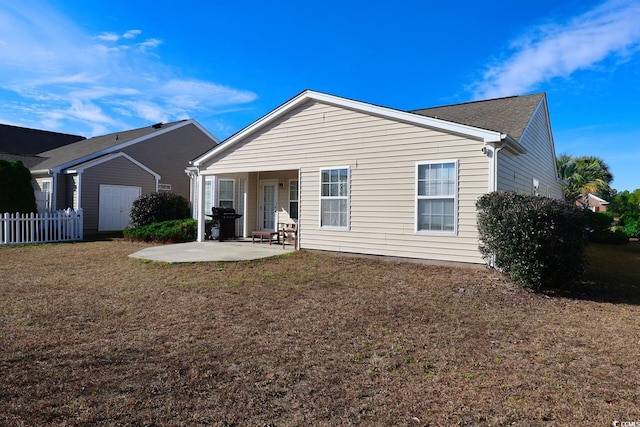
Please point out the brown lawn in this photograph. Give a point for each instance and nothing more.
(89, 336)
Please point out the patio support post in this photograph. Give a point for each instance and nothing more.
(200, 212)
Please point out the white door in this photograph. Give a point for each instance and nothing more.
(268, 204)
(115, 206)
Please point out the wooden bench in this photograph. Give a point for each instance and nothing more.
(271, 235)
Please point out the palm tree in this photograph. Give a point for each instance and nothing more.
(584, 175)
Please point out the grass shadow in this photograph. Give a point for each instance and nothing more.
(613, 275)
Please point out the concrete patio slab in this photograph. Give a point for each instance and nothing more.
(231, 250)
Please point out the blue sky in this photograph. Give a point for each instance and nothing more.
(99, 66)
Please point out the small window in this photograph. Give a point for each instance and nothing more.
(334, 198)
(437, 188)
(294, 199)
(226, 192)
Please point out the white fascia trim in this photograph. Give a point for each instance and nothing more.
(109, 158)
(481, 134)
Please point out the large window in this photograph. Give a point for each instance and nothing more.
(226, 192)
(294, 199)
(437, 196)
(334, 198)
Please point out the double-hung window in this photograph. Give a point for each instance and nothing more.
(436, 196)
(226, 192)
(208, 194)
(334, 198)
(294, 199)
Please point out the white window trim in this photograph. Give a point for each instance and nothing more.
(320, 197)
(456, 212)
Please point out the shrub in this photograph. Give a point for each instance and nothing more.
(601, 231)
(599, 220)
(631, 221)
(537, 242)
(175, 231)
(16, 191)
(158, 207)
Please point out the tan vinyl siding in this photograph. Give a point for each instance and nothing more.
(516, 173)
(382, 155)
(119, 171)
(169, 154)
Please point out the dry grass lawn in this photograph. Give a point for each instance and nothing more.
(89, 336)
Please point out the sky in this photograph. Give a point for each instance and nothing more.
(95, 67)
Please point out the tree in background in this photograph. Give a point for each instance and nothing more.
(626, 206)
(584, 175)
(16, 191)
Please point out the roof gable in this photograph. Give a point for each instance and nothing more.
(480, 134)
(509, 115)
(108, 157)
(83, 151)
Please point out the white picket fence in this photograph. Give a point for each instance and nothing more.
(59, 226)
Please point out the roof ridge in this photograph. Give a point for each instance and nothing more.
(477, 101)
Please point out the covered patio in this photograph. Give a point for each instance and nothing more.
(266, 200)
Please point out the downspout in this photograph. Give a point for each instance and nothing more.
(493, 163)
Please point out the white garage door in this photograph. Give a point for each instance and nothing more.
(115, 206)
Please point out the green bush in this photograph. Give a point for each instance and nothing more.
(599, 220)
(631, 223)
(158, 207)
(537, 242)
(16, 191)
(601, 231)
(175, 231)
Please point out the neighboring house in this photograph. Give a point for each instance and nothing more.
(24, 144)
(595, 203)
(366, 179)
(105, 174)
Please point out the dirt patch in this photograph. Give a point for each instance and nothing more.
(90, 336)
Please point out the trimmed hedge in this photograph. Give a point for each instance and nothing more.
(158, 207)
(175, 231)
(537, 242)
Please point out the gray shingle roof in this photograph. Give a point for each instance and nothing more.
(508, 115)
(84, 150)
(27, 160)
(19, 140)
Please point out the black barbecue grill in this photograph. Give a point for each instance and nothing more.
(224, 220)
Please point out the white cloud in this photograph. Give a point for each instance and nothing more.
(108, 37)
(85, 83)
(131, 34)
(558, 50)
